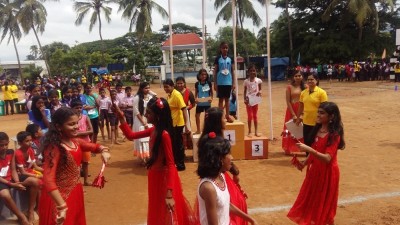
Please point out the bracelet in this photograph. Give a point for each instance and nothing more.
(61, 207)
(104, 149)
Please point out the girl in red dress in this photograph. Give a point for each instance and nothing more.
(167, 205)
(293, 91)
(215, 122)
(61, 200)
(317, 201)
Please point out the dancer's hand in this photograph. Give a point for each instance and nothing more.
(105, 156)
(170, 203)
(18, 186)
(61, 215)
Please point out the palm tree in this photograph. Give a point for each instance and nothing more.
(244, 9)
(32, 15)
(98, 6)
(363, 10)
(9, 25)
(34, 51)
(138, 12)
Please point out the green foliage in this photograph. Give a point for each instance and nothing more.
(337, 39)
(31, 72)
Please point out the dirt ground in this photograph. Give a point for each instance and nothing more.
(369, 183)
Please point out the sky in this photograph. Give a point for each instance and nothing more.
(61, 26)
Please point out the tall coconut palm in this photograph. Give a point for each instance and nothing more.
(362, 9)
(138, 12)
(9, 25)
(32, 15)
(244, 9)
(98, 7)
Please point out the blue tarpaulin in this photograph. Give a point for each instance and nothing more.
(278, 68)
(100, 71)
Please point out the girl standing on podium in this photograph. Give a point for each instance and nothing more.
(293, 91)
(318, 197)
(252, 90)
(215, 122)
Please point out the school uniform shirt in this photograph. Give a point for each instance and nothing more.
(104, 103)
(116, 102)
(14, 91)
(224, 73)
(121, 96)
(203, 91)
(40, 123)
(5, 165)
(20, 159)
(128, 102)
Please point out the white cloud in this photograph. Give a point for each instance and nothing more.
(61, 27)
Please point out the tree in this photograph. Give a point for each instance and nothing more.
(180, 28)
(335, 40)
(363, 10)
(138, 12)
(9, 25)
(244, 9)
(32, 16)
(98, 6)
(34, 51)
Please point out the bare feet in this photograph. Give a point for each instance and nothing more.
(197, 132)
(23, 221)
(258, 134)
(87, 184)
(116, 143)
(229, 119)
(249, 135)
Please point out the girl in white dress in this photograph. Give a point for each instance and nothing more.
(142, 97)
(213, 196)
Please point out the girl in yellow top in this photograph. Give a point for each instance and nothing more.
(8, 97)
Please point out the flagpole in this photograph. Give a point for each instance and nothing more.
(267, 3)
(204, 33)
(171, 49)
(234, 57)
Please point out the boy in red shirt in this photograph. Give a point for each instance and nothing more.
(9, 179)
(29, 173)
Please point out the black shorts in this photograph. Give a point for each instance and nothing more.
(113, 119)
(103, 115)
(4, 186)
(200, 109)
(232, 113)
(224, 91)
(95, 125)
(129, 116)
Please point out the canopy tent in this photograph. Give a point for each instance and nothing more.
(278, 68)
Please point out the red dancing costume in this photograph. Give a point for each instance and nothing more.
(317, 201)
(162, 175)
(237, 198)
(65, 178)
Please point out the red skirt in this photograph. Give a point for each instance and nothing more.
(158, 214)
(75, 212)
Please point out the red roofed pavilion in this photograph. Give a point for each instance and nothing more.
(183, 42)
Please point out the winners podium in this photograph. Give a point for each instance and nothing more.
(241, 147)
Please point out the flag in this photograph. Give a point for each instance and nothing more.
(298, 59)
(384, 54)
